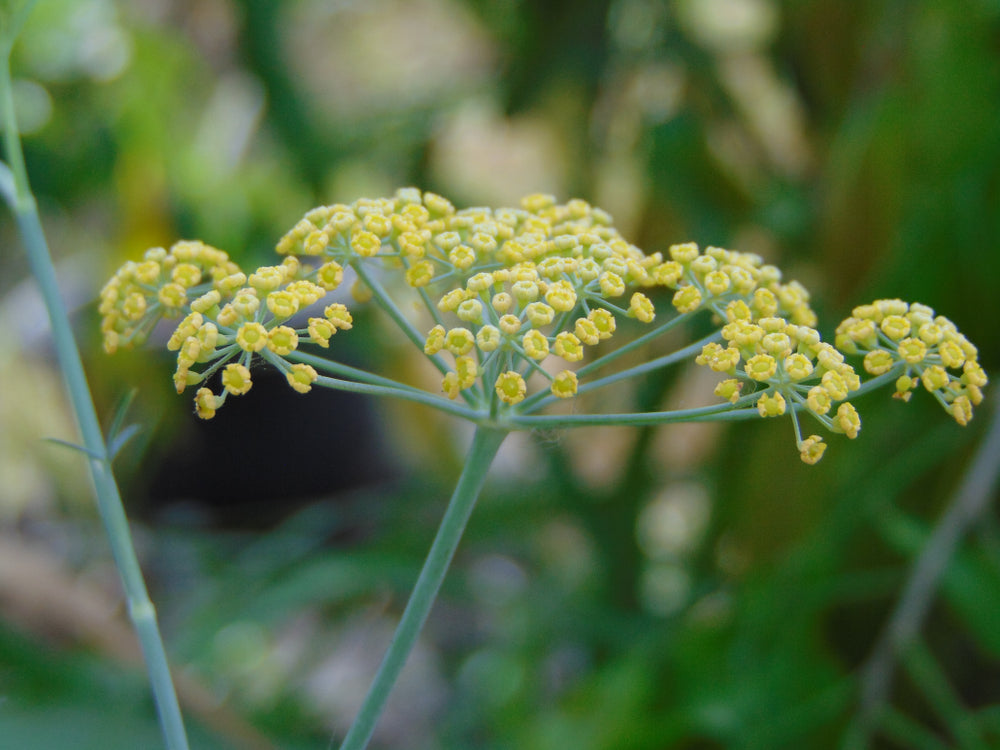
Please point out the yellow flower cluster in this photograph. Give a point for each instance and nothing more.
(509, 287)
(514, 286)
(909, 339)
(229, 316)
(714, 277)
(788, 364)
(512, 293)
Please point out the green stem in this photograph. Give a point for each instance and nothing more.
(542, 399)
(485, 444)
(631, 345)
(109, 503)
(396, 390)
(719, 413)
(384, 301)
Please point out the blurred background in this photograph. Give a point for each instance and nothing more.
(686, 587)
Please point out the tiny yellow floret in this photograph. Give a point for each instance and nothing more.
(564, 385)
(282, 340)
(339, 316)
(771, 405)
(236, 379)
(568, 347)
(641, 308)
(366, 244)
(848, 420)
(687, 299)
(435, 340)
(811, 449)
(206, 403)
(329, 275)
(282, 304)
(729, 389)
(301, 377)
(459, 341)
(321, 331)
(510, 387)
(535, 344)
(761, 367)
(878, 362)
(252, 337)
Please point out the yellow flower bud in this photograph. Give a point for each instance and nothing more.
(761, 367)
(366, 244)
(797, 366)
(266, 278)
(470, 311)
(604, 322)
(301, 377)
(236, 379)
(172, 296)
(435, 340)
(934, 378)
(535, 344)
(687, 299)
(329, 275)
(611, 284)
(510, 324)
(282, 340)
(510, 387)
(729, 389)
(488, 338)
(339, 316)
(896, 327)
(564, 385)
(847, 420)
(811, 449)
(206, 403)
(878, 362)
(459, 341)
(771, 405)
(684, 253)
(252, 337)
(641, 308)
(282, 304)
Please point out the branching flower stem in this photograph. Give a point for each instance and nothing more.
(141, 611)
(485, 444)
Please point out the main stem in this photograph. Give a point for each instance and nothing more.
(485, 444)
(109, 503)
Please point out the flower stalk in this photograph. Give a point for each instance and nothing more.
(17, 190)
(485, 444)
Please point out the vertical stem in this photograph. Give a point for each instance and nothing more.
(485, 445)
(109, 502)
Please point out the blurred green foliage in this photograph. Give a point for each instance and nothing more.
(686, 587)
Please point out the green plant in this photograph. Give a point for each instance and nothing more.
(505, 294)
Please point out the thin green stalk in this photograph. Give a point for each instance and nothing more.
(485, 444)
(717, 413)
(542, 399)
(385, 302)
(632, 345)
(396, 390)
(109, 504)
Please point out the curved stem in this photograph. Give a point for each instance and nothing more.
(485, 445)
(109, 503)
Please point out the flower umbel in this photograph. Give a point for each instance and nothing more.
(512, 296)
(912, 344)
